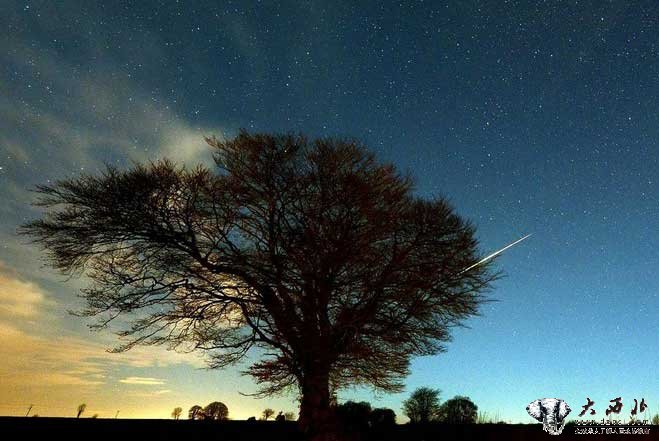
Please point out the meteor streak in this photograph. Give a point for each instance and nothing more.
(496, 253)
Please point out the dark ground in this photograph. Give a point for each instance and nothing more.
(87, 429)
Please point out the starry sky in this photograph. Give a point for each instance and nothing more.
(531, 117)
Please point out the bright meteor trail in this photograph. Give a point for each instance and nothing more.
(496, 253)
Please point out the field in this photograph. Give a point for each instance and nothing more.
(89, 429)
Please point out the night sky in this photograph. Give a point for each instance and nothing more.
(531, 117)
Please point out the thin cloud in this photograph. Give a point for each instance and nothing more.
(19, 298)
(38, 361)
(147, 381)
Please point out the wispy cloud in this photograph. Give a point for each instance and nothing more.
(18, 298)
(30, 358)
(142, 393)
(63, 121)
(147, 381)
(56, 120)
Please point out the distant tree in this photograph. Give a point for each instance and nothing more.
(81, 409)
(289, 416)
(176, 413)
(382, 418)
(216, 411)
(353, 415)
(655, 419)
(458, 410)
(422, 406)
(267, 413)
(196, 412)
(252, 418)
(310, 249)
(280, 417)
(94, 416)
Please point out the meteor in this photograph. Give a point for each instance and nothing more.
(496, 253)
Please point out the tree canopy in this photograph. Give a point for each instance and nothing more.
(267, 413)
(216, 411)
(311, 250)
(196, 412)
(458, 410)
(423, 405)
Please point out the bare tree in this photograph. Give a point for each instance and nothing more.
(311, 250)
(81, 409)
(176, 413)
(267, 414)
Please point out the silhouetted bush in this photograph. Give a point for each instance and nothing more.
(290, 416)
(382, 418)
(422, 406)
(354, 416)
(458, 410)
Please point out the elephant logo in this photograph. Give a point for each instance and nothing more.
(551, 412)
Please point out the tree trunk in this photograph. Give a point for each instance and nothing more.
(317, 419)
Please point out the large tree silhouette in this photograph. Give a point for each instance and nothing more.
(309, 249)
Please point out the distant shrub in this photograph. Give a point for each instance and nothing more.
(290, 416)
(382, 418)
(81, 409)
(267, 414)
(458, 410)
(353, 415)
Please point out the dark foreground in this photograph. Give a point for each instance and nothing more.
(87, 429)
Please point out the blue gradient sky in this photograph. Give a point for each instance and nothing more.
(531, 118)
